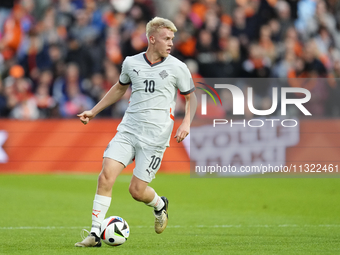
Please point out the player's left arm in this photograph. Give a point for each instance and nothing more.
(190, 109)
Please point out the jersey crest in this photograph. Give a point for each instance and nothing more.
(163, 74)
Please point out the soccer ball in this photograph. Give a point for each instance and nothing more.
(114, 231)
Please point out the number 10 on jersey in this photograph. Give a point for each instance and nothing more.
(149, 86)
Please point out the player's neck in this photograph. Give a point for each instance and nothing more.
(152, 56)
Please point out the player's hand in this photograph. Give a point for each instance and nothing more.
(86, 116)
(182, 132)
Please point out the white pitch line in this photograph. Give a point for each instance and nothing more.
(45, 227)
(179, 226)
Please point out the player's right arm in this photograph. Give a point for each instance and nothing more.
(112, 96)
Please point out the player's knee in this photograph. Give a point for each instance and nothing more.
(106, 179)
(136, 193)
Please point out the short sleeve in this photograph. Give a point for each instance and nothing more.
(185, 83)
(124, 77)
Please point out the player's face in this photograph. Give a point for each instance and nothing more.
(163, 41)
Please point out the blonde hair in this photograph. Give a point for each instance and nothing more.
(157, 23)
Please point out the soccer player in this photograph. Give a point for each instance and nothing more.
(144, 132)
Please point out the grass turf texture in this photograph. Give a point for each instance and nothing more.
(44, 214)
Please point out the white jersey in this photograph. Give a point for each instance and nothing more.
(150, 114)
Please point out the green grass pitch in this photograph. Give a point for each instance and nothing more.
(44, 214)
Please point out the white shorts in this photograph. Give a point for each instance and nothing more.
(124, 148)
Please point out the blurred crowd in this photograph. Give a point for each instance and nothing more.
(59, 57)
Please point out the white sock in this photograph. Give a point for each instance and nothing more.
(157, 203)
(100, 206)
